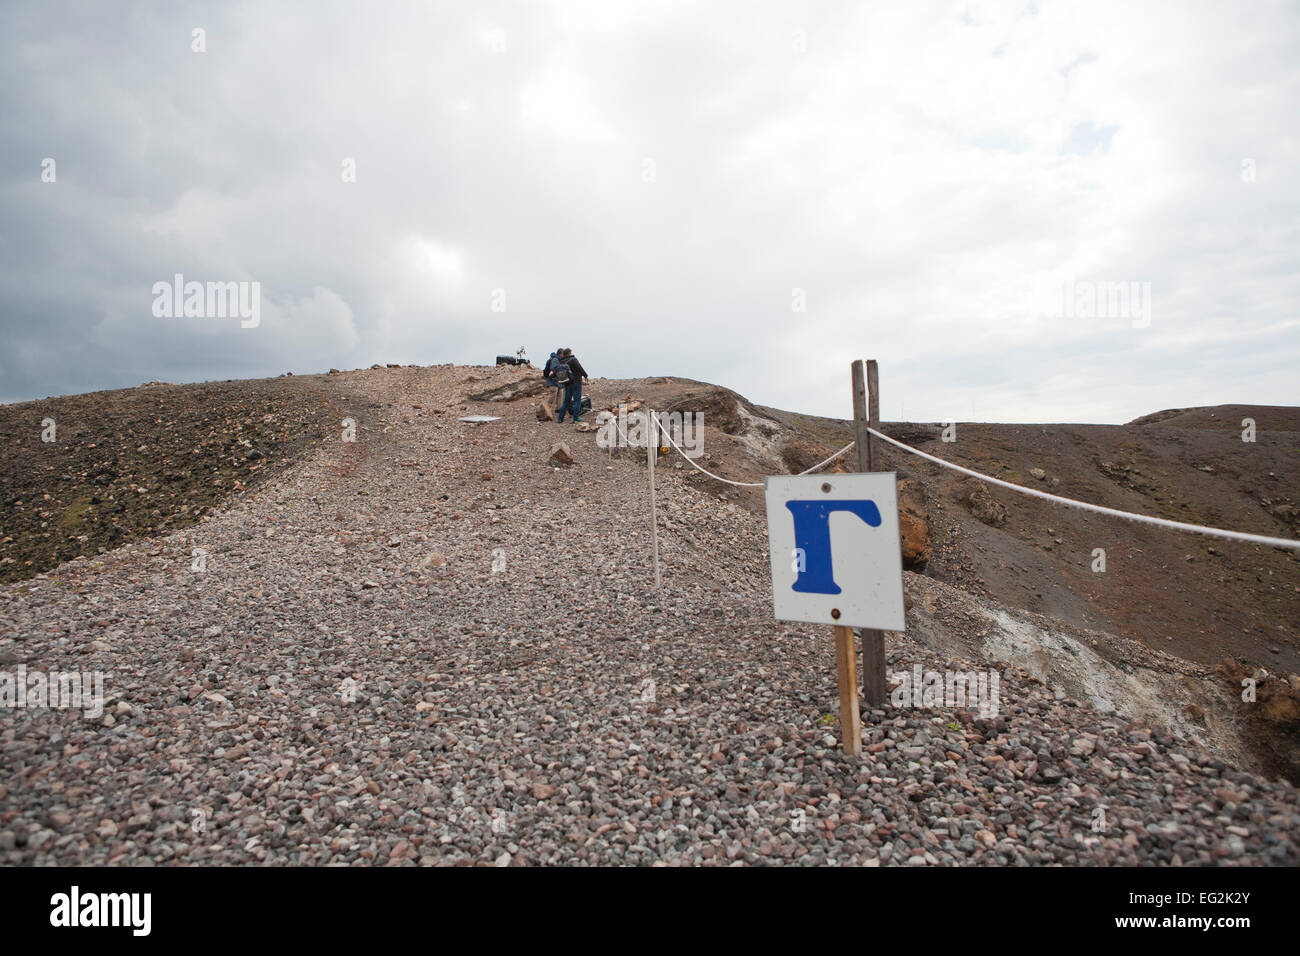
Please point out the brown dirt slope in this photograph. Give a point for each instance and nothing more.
(137, 462)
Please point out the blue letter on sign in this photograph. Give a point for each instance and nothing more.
(812, 532)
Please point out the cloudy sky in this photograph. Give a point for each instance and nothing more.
(751, 193)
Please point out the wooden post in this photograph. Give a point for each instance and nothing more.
(866, 411)
(873, 415)
(652, 448)
(861, 437)
(846, 659)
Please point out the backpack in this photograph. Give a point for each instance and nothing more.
(562, 373)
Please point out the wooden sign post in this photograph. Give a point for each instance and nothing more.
(651, 447)
(833, 543)
(846, 660)
(866, 411)
(833, 546)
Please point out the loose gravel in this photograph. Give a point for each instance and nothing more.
(431, 647)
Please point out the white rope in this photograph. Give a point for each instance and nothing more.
(664, 431)
(738, 484)
(1022, 489)
(1068, 502)
(1074, 503)
(827, 461)
(746, 484)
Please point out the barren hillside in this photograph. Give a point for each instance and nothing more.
(432, 646)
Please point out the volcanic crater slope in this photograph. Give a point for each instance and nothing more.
(430, 646)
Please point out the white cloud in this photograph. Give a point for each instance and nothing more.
(931, 176)
(432, 259)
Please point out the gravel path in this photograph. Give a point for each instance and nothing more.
(431, 647)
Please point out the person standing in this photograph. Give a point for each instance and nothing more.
(571, 374)
(555, 393)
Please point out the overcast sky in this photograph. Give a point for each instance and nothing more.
(750, 193)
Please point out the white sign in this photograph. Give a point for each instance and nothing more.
(835, 549)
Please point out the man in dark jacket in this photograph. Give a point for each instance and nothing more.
(555, 391)
(572, 402)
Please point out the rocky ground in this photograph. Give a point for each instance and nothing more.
(86, 473)
(429, 646)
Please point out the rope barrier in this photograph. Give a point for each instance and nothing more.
(738, 484)
(747, 484)
(1099, 509)
(1033, 492)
